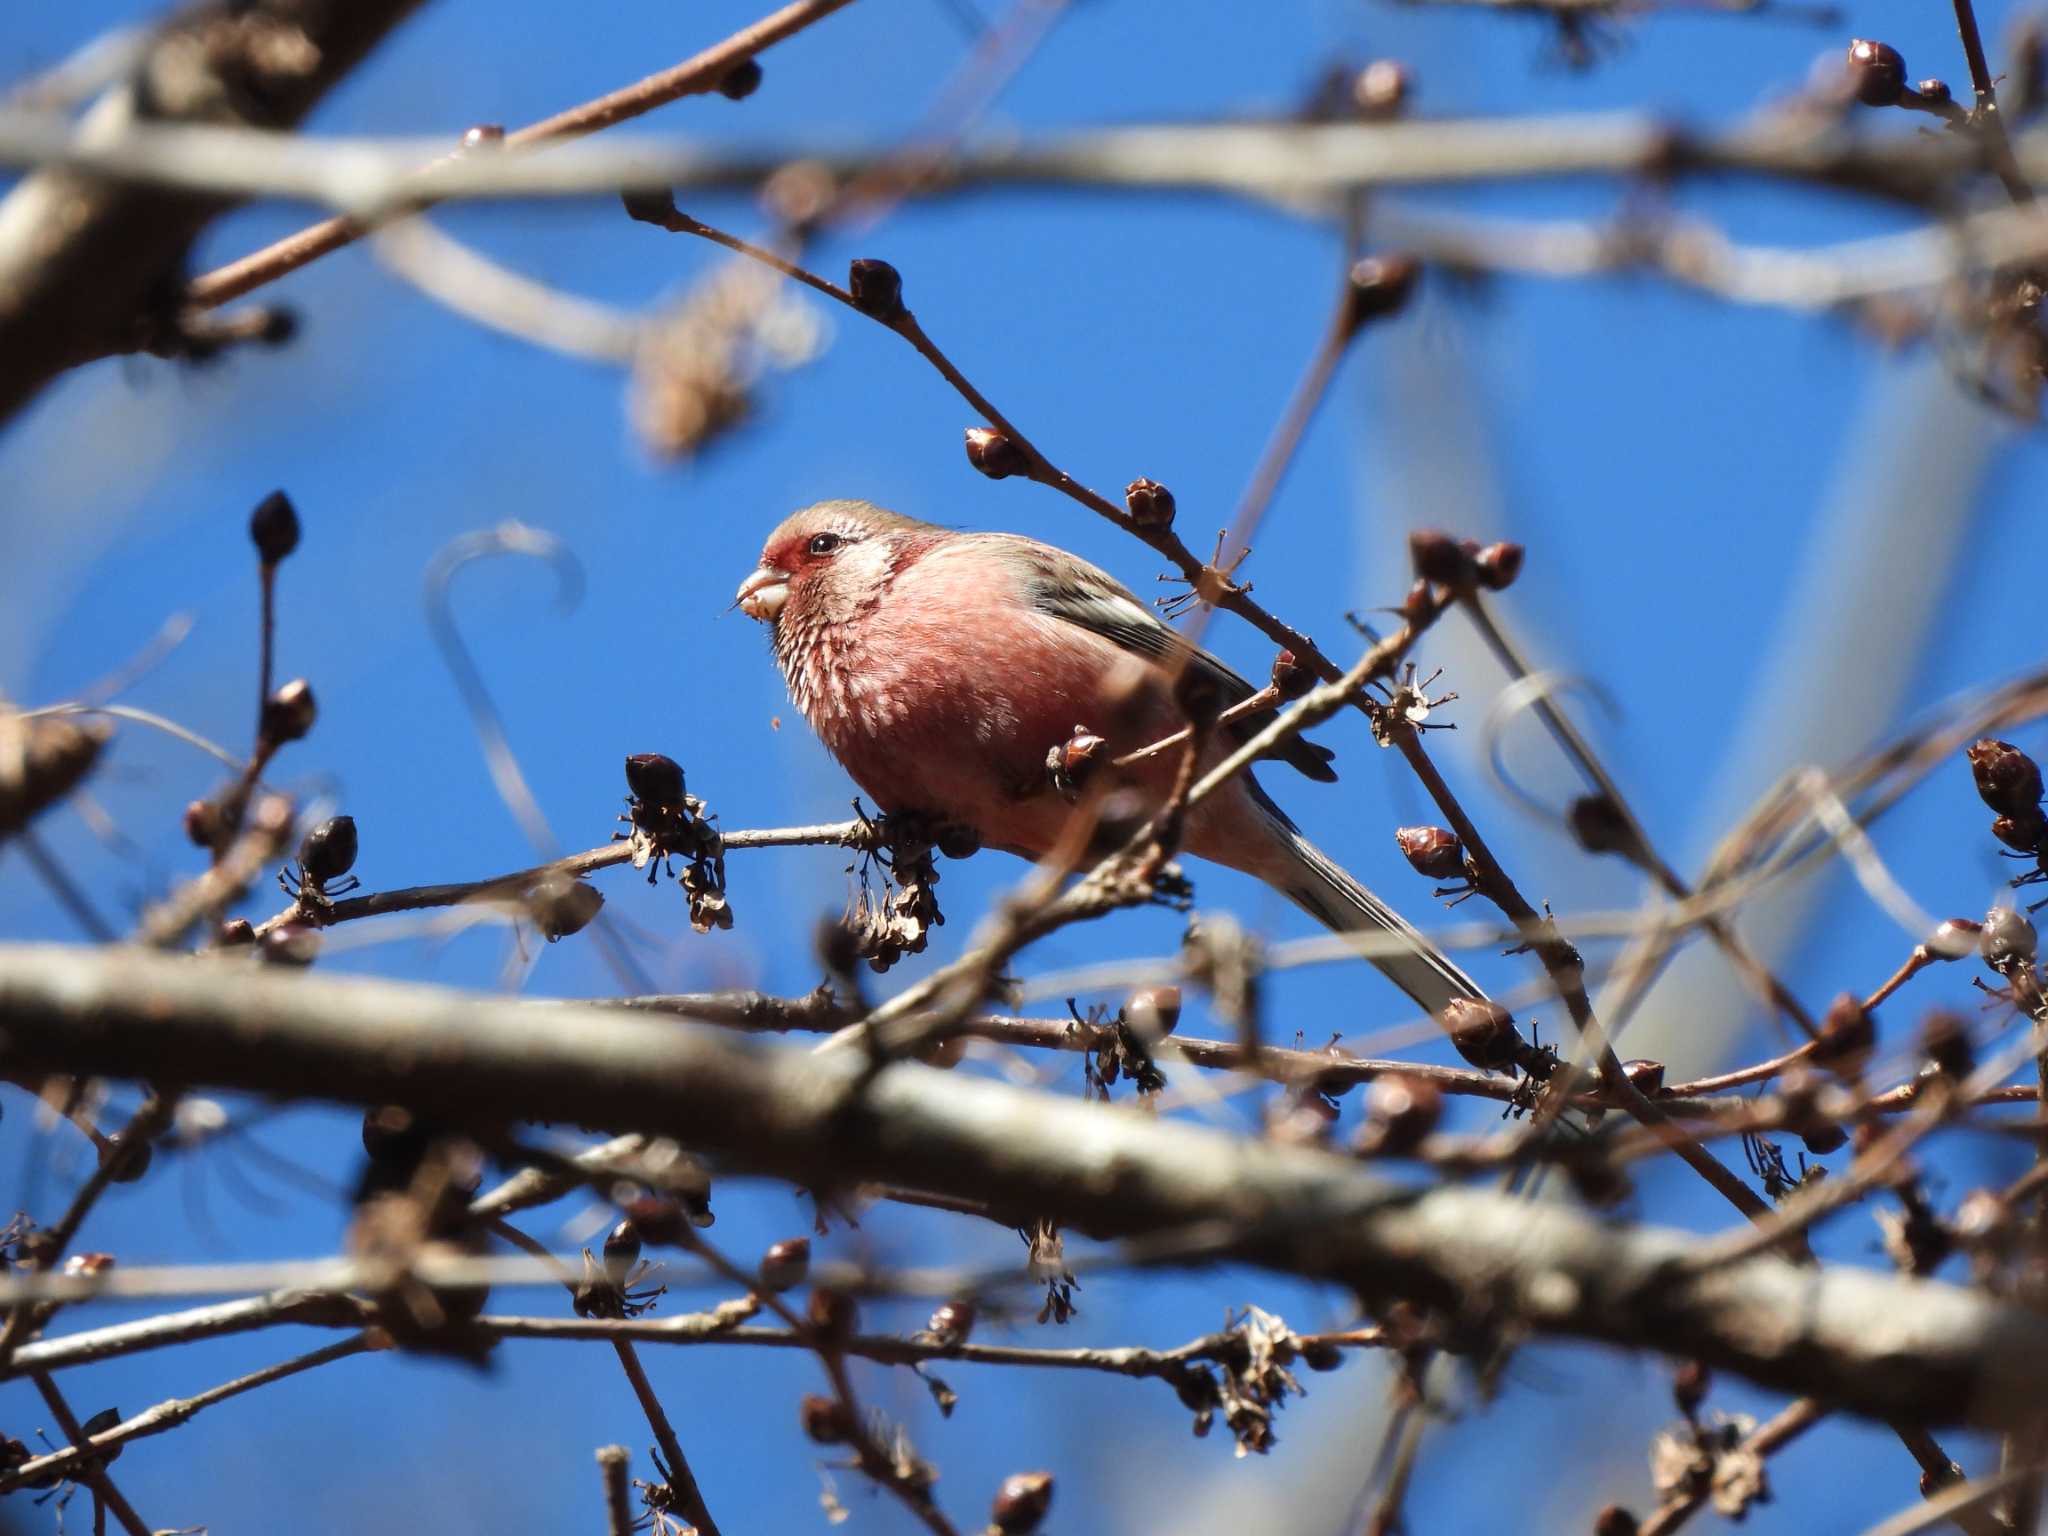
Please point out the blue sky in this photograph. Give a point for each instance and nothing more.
(1766, 538)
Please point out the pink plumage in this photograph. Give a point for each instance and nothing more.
(940, 667)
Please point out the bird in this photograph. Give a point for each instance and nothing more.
(940, 667)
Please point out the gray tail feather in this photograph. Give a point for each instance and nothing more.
(1321, 888)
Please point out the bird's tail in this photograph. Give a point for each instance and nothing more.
(1320, 887)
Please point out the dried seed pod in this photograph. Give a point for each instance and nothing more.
(655, 779)
(561, 905)
(994, 454)
(1153, 1012)
(1498, 565)
(1878, 72)
(2008, 939)
(329, 851)
(2008, 779)
(621, 1251)
(1400, 1110)
(1440, 558)
(1432, 852)
(1936, 91)
(1382, 90)
(274, 528)
(786, 1265)
(1379, 286)
(289, 713)
(1151, 504)
(1615, 1521)
(741, 81)
(1483, 1032)
(952, 1322)
(832, 1315)
(1848, 1034)
(825, 1419)
(1021, 1503)
(877, 288)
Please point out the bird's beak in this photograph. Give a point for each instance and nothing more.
(762, 594)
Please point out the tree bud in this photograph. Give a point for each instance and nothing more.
(1499, 565)
(1379, 286)
(1878, 73)
(877, 289)
(274, 528)
(1400, 1110)
(1151, 504)
(786, 1265)
(741, 81)
(1153, 1012)
(1440, 558)
(1381, 90)
(2008, 779)
(994, 454)
(1433, 852)
(289, 713)
(329, 851)
(1483, 1032)
(655, 779)
(1021, 1504)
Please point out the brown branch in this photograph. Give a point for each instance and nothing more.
(1891, 1346)
(618, 1506)
(120, 1159)
(169, 1415)
(84, 262)
(694, 76)
(1635, 844)
(92, 1473)
(1567, 973)
(1195, 571)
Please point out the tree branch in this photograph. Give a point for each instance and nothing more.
(1883, 1345)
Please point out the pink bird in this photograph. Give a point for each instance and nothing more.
(940, 667)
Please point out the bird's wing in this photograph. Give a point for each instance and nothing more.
(1070, 589)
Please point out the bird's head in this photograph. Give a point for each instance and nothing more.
(822, 562)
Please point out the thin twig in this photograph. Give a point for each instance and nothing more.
(693, 76)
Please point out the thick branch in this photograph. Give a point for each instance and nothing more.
(84, 261)
(1877, 1344)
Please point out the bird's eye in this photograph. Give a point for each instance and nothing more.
(825, 543)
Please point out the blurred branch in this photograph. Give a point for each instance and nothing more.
(87, 264)
(70, 1461)
(694, 76)
(1282, 161)
(1878, 1344)
(466, 281)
